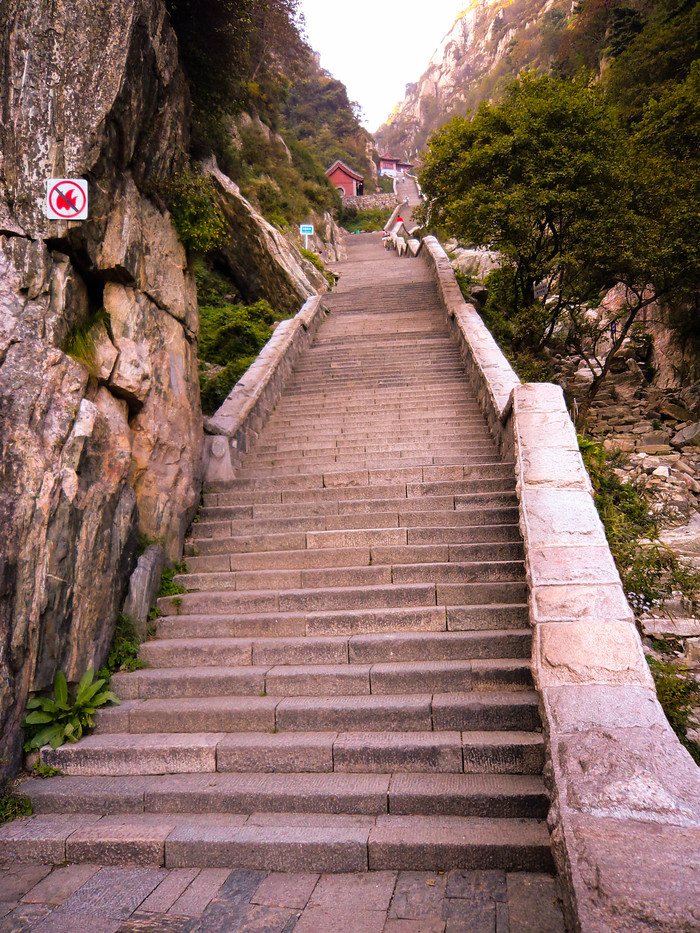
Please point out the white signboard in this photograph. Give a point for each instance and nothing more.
(306, 229)
(66, 199)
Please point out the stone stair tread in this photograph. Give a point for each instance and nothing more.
(329, 792)
(338, 649)
(280, 842)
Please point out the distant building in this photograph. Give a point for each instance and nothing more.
(347, 182)
(388, 165)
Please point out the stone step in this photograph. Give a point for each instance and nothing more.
(365, 522)
(425, 488)
(293, 600)
(340, 622)
(382, 750)
(376, 574)
(309, 442)
(333, 507)
(324, 679)
(350, 597)
(345, 454)
(365, 463)
(354, 478)
(463, 535)
(281, 842)
(318, 558)
(486, 795)
(293, 488)
(335, 649)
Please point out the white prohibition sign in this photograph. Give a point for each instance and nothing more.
(66, 199)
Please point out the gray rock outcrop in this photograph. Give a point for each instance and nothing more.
(257, 257)
(94, 448)
(472, 58)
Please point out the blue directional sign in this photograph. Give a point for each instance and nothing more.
(306, 229)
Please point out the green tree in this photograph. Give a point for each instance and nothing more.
(531, 177)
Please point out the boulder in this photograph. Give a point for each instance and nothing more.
(688, 436)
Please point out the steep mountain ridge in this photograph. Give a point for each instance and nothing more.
(489, 42)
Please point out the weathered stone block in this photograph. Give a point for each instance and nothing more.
(579, 601)
(589, 651)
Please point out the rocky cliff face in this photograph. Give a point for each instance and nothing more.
(490, 41)
(95, 447)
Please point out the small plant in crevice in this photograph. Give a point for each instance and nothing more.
(168, 586)
(42, 770)
(650, 572)
(79, 343)
(58, 719)
(317, 263)
(12, 804)
(124, 650)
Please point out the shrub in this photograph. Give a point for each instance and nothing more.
(13, 805)
(316, 261)
(123, 653)
(55, 720)
(191, 200)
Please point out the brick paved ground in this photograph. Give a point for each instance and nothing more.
(89, 899)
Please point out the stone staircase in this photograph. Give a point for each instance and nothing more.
(345, 684)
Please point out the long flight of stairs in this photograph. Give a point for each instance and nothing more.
(345, 684)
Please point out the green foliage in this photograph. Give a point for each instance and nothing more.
(13, 805)
(42, 770)
(58, 719)
(79, 343)
(650, 572)
(191, 200)
(124, 650)
(678, 693)
(365, 221)
(320, 115)
(230, 337)
(168, 587)
(315, 260)
(530, 177)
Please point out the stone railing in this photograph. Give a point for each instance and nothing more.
(364, 202)
(625, 795)
(236, 424)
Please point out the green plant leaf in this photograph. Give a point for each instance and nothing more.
(84, 684)
(106, 697)
(37, 717)
(60, 689)
(46, 736)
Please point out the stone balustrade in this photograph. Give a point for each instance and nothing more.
(625, 795)
(365, 202)
(231, 430)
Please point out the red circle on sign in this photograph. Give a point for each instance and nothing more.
(67, 199)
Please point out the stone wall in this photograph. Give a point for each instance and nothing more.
(92, 450)
(625, 795)
(367, 202)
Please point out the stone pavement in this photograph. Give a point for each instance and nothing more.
(88, 899)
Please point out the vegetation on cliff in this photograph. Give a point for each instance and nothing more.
(578, 193)
(260, 102)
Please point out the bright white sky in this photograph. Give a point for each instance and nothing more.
(376, 48)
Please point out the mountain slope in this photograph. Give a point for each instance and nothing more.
(489, 43)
